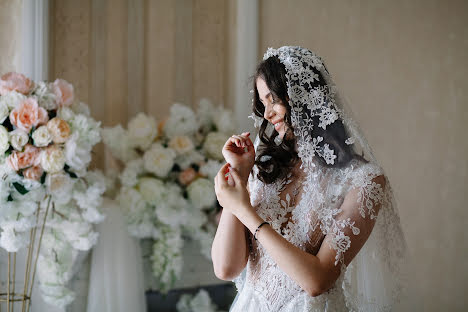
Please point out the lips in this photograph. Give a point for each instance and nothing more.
(278, 125)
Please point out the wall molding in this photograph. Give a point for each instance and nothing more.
(247, 35)
(35, 27)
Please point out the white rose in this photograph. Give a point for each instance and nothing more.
(159, 160)
(12, 99)
(211, 168)
(214, 143)
(118, 141)
(45, 97)
(81, 108)
(201, 193)
(60, 186)
(4, 112)
(171, 210)
(4, 145)
(77, 154)
(129, 176)
(18, 139)
(182, 121)
(181, 144)
(65, 113)
(131, 200)
(152, 190)
(224, 121)
(88, 129)
(205, 113)
(41, 136)
(195, 218)
(52, 159)
(186, 160)
(142, 130)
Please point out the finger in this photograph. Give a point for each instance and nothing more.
(245, 136)
(236, 177)
(242, 139)
(237, 140)
(228, 143)
(221, 176)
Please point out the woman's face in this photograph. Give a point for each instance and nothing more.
(274, 110)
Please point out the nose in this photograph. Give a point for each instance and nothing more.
(269, 112)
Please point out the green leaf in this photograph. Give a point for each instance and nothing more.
(20, 188)
(43, 177)
(70, 173)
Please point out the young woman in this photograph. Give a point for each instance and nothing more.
(309, 220)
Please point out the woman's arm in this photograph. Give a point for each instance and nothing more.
(306, 269)
(229, 251)
(314, 274)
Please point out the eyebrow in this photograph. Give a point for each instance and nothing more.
(266, 96)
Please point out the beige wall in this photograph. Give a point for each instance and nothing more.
(403, 66)
(400, 63)
(10, 41)
(126, 56)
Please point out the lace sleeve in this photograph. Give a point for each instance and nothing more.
(353, 222)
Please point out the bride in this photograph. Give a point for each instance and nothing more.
(309, 220)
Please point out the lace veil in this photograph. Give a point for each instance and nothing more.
(374, 278)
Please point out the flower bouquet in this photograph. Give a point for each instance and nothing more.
(167, 188)
(46, 137)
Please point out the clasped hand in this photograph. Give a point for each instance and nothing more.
(240, 156)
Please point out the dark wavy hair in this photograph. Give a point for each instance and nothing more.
(275, 161)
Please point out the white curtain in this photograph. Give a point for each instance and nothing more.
(116, 278)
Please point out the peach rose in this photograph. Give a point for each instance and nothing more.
(187, 176)
(20, 160)
(28, 114)
(59, 130)
(33, 173)
(161, 126)
(42, 116)
(52, 159)
(64, 92)
(15, 82)
(181, 144)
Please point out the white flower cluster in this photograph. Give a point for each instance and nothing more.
(46, 137)
(166, 184)
(167, 258)
(200, 302)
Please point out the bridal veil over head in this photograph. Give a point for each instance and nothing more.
(374, 278)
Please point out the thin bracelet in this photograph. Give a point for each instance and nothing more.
(258, 228)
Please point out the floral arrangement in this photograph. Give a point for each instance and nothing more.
(199, 302)
(167, 187)
(46, 137)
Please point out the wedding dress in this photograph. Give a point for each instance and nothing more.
(305, 208)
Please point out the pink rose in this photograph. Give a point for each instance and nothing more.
(15, 82)
(187, 176)
(28, 114)
(42, 117)
(63, 91)
(59, 130)
(20, 160)
(33, 173)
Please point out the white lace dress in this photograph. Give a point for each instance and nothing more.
(317, 218)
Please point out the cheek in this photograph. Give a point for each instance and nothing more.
(281, 111)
